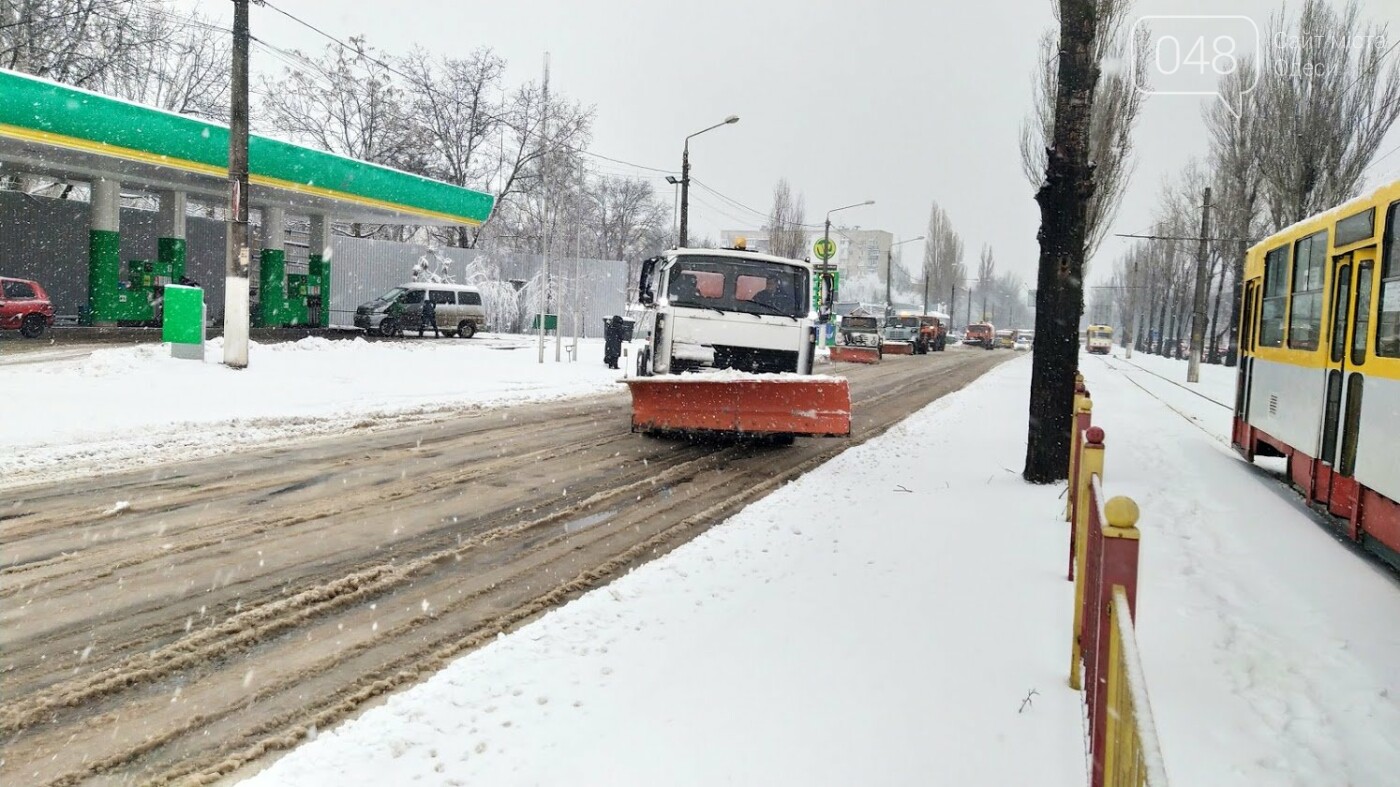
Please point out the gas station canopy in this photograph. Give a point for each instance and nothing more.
(55, 130)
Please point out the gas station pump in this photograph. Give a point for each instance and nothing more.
(297, 297)
(313, 295)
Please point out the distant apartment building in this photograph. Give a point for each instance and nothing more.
(858, 252)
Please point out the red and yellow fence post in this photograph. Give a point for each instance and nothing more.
(1090, 464)
(1083, 417)
(1118, 568)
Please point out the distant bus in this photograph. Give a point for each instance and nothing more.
(1099, 339)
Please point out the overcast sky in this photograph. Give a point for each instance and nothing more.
(899, 101)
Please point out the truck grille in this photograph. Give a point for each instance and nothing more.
(749, 359)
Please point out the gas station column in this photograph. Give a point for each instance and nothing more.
(170, 243)
(104, 252)
(272, 268)
(319, 272)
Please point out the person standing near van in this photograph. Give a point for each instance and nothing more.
(428, 316)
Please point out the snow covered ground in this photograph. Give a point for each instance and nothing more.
(897, 616)
(117, 407)
(1271, 649)
(844, 630)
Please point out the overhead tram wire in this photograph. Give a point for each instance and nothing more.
(392, 69)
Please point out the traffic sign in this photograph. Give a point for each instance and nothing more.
(824, 248)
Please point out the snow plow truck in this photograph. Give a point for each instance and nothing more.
(726, 345)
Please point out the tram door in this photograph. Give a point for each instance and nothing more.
(1353, 281)
(1245, 350)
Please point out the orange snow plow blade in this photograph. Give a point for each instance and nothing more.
(812, 406)
(899, 348)
(855, 354)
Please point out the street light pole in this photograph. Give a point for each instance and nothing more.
(685, 177)
(889, 270)
(826, 233)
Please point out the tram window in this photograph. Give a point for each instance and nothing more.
(1275, 297)
(1351, 428)
(1388, 321)
(1305, 314)
(1339, 313)
(1361, 318)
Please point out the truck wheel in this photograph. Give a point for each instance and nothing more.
(466, 329)
(389, 327)
(32, 326)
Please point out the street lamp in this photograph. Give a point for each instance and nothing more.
(685, 175)
(889, 266)
(826, 233)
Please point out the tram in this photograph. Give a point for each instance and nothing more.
(1319, 373)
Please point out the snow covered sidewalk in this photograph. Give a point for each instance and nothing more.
(897, 616)
(125, 406)
(1271, 650)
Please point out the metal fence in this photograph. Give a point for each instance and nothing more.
(46, 239)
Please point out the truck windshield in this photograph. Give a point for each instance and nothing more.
(732, 284)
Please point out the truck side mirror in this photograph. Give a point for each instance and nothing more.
(645, 293)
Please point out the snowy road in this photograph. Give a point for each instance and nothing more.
(188, 620)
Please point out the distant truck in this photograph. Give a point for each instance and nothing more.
(980, 334)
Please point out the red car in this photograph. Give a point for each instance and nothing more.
(24, 305)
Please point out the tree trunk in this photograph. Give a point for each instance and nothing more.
(1064, 200)
(1237, 290)
(1213, 335)
(1161, 348)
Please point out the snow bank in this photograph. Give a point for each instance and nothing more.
(127, 406)
(893, 617)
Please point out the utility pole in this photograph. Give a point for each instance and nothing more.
(952, 305)
(1132, 310)
(889, 269)
(684, 237)
(926, 284)
(544, 242)
(236, 256)
(1198, 307)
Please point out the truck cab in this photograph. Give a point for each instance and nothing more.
(716, 309)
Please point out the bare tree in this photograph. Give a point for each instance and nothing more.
(628, 216)
(525, 163)
(986, 279)
(943, 255)
(1117, 105)
(76, 42)
(787, 235)
(1064, 198)
(182, 65)
(1236, 142)
(453, 102)
(1329, 104)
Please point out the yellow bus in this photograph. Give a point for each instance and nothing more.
(1319, 374)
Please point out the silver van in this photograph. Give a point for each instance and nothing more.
(459, 309)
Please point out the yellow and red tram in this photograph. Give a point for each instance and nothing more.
(1319, 374)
